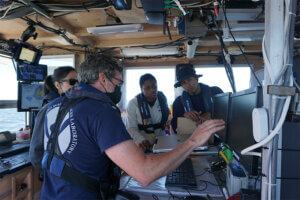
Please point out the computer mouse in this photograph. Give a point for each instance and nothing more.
(192, 197)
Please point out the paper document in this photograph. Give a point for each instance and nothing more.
(185, 126)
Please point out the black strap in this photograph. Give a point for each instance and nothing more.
(80, 180)
(65, 107)
(69, 174)
(101, 188)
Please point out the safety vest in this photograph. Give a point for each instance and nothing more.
(147, 125)
(207, 98)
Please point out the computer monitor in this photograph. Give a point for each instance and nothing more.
(27, 72)
(26, 53)
(220, 111)
(240, 131)
(30, 96)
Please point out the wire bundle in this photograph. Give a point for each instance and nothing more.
(17, 9)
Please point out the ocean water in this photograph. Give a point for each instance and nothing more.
(11, 120)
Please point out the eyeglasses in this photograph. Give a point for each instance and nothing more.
(70, 81)
(120, 81)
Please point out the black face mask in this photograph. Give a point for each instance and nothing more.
(116, 95)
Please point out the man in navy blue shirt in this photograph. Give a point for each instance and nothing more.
(92, 136)
(195, 102)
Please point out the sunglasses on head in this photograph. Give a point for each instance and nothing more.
(70, 81)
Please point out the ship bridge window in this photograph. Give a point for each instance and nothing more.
(54, 61)
(213, 75)
(216, 76)
(165, 77)
(10, 119)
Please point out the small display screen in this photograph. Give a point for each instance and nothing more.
(30, 96)
(28, 72)
(27, 55)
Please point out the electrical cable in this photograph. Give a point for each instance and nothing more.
(14, 64)
(253, 154)
(63, 48)
(78, 7)
(246, 59)
(158, 46)
(173, 196)
(199, 5)
(58, 32)
(22, 10)
(7, 10)
(63, 14)
(214, 184)
(227, 65)
(205, 171)
(273, 132)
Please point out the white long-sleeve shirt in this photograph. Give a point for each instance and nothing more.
(133, 118)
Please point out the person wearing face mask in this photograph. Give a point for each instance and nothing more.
(147, 113)
(195, 103)
(86, 142)
(55, 85)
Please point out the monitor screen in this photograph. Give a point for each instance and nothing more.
(240, 134)
(28, 72)
(30, 96)
(220, 111)
(27, 55)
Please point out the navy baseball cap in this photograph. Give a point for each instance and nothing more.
(185, 71)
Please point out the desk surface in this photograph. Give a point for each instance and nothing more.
(206, 185)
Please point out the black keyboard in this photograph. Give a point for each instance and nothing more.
(183, 176)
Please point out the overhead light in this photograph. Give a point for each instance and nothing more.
(128, 28)
(139, 51)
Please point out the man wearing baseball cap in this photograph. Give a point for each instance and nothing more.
(195, 102)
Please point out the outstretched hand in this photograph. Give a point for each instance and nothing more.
(205, 130)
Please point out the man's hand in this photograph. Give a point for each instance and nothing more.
(145, 144)
(192, 115)
(205, 130)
